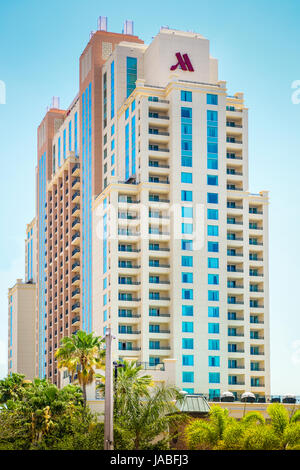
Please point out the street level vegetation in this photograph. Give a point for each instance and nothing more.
(36, 415)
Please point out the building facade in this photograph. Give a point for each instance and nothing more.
(21, 328)
(145, 222)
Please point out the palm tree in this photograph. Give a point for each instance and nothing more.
(147, 419)
(203, 434)
(82, 354)
(13, 387)
(142, 412)
(129, 379)
(286, 427)
(252, 432)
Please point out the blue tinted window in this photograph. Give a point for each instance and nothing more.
(187, 212)
(211, 99)
(188, 360)
(131, 63)
(186, 196)
(187, 327)
(212, 180)
(213, 345)
(212, 198)
(187, 343)
(213, 230)
(187, 294)
(213, 279)
(213, 263)
(187, 228)
(214, 377)
(187, 310)
(186, 95)
(213, 247)
(187, 261)
(213, 328)
(187, 278)
(187, 245)
(188, 377)
(213, 214)
(186, 177)
(214, 361)
(213, 295)
(186, 113)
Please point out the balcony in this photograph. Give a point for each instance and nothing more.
(76, 210)
(76, 280)
(75, 320)
(76, 239)
(76, 183)
(76, 294)
(76, 253)
(75, 307)
(76, 196)
(75, 170)
(76, 224)
(76, 266)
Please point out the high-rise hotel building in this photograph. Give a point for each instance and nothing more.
(145, 223)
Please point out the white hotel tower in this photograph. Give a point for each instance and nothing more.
(180, 245)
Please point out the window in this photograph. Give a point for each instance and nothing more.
(131, 63)
(212, 214)
(187, 261)
(187, 245)
(212, 116)
(186, 95)
(112, 87)
(187, 278)
(213, 247)
(213, 312)
(187, 310)
(212, 180)
(213, 328)
(187, 212)
(133, 106)
(213, 263)
(186, 161)
(126, 114)
(188, 360)
(214, 377)
(187, 228)
(186, 113)
(213, 345)
(186, 196)
(187, 343)
(214, 361)
(212, 198)
(112, 130)
(188, 377)
(186, 177)
(212, 230)
(211, 99)
(213, 279)
(187, 327)
(214, 393)
(213, 295)
(187, 294)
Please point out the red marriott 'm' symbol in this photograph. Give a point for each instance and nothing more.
(183, 62)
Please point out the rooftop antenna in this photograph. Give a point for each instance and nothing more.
(128, 27)
(102, 23)
(55, 103)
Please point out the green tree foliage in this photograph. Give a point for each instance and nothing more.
(81, 354)
(39, 416)
(144, 414)
(252, 432)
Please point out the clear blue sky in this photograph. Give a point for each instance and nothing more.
(257, 44)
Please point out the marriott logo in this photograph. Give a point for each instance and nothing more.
(183, 62)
